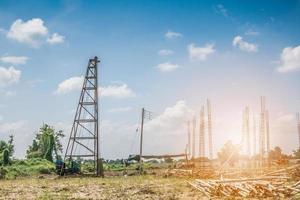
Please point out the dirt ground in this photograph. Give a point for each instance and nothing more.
(134, 187)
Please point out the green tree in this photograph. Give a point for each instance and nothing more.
(277, 156)
(6, 150)
(229, 153)
(168, 160)
(46, 144)
(5, 157)
(296, 153)
(11, 146)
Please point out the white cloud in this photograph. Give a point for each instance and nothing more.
(2, 30)
(200, 53)
(251, 32)
(23, 135)
(167, 133)
(121, 109)
(165, 52)
(14, 59)
(10, 93)
(285, 118)
(290, 59)
(75, 84)
(284, 122)
(120, 136)
(9, 76)
(11, 126)
(55, 38)
(167, 67)
(34, 82)
(117, 91)
(70, 85)
(32, 32)
(172, 35)
(29, 32)
(243, 45)
(171, 118)
(220, 9)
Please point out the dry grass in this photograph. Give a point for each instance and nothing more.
(145, 187)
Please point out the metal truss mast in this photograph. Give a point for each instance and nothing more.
(84, 137)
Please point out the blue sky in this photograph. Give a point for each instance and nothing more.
(168, 56)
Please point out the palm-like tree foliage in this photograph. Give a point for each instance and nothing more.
(46, 144)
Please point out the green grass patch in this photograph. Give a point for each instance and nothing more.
(29, 167)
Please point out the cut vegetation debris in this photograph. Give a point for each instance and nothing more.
(252, 188)
(276, 184)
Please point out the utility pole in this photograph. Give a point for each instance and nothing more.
(209, 128)
(145, 115)
(141, 140)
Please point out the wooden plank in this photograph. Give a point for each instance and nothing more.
(199, 188)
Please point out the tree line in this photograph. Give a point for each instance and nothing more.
(46, 145)
(231, 153)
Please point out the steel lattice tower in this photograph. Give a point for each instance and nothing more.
(209, 128)
(194, 138)
(267, 131)
(189, 139)
(298, 126)
(262, 128)
(254, 135)
(247, 129)
(84, 137)
(202, 134)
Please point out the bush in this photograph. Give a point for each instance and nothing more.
(29, 167)
(87, 167)
(6, 157)
(3, 172)
(44, 170)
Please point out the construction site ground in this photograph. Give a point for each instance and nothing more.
(130, 187)
(282, 183)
